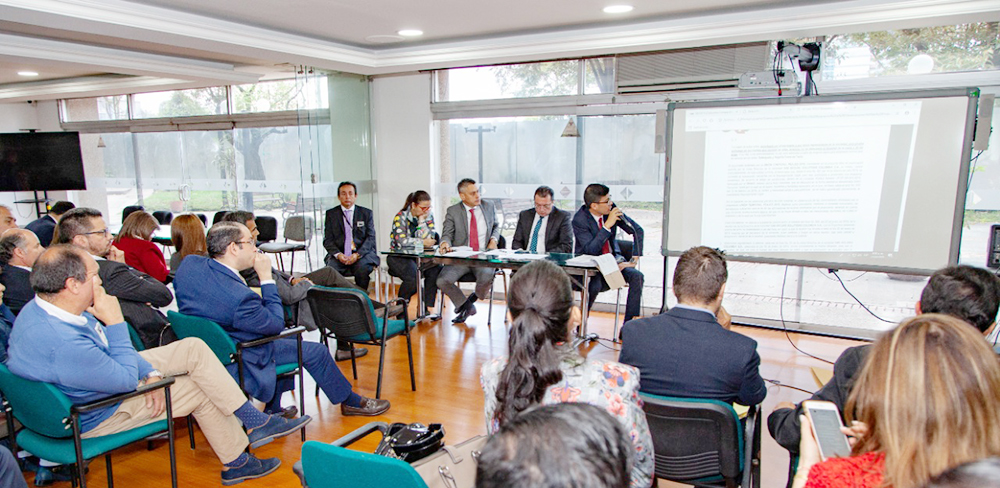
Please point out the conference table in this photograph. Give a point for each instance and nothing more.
(580, 269)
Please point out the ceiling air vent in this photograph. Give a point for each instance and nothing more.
(690, 69)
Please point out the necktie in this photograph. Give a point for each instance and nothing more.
(473, 230)
(348, 232)
(607, 244)
(533, 246)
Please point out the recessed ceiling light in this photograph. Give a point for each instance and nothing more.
(410, 32)
(618, 9)
(27, 73)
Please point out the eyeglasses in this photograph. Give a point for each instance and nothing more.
(241, 243)
(604, 202)
(424, 208)
(104, 231)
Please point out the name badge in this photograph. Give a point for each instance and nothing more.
(361, 224)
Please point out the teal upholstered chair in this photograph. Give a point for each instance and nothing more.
(229, 351)
(704, 442)
(347, 314)
(334, 466)
(52, 423)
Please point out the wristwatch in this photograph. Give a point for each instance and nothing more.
(154, 372)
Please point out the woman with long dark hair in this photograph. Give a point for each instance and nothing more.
(542, 368)
(414, 221)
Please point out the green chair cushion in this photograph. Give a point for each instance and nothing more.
(329, 466)
(395, 327)
(286, 368)
(62, 451)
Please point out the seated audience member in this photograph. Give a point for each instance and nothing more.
(293, 290)
(46, 224)
(139, 294)
(964, 292)
(7, 220)
(349, 237)
(595, 227)
(544, 228)
(19, 248)
(926, 400)
(471, 217)
(984, 473)
(10, 471)
(6, 324)
(212, 288)
(542, 368)
(687, 352)
(135, 239)
(188, 235)
(74, 336)
(556, 446)
(414, 221)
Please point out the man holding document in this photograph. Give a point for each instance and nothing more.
(595, 226)
(470, 223)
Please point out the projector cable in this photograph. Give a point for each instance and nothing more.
(781, 315)
(834, 272)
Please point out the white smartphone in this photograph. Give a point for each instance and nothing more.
(826, 424)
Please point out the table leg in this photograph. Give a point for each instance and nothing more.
(585, 305)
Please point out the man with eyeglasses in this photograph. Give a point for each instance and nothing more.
(471, 222)
(212, 288)
(140, 295)
(544, 228)
(595, 226)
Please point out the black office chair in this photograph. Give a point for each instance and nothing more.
(703, 442)
(164, 217)
(218, 216)
(268, 228)
(129, 209)
(297, 228)
(202, 218)
(347, 314)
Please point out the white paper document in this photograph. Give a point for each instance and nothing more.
(608, 267)
(584, 261)
(461, 253)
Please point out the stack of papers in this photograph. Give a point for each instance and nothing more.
(583, 261)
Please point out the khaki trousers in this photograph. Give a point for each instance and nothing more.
(207, 391)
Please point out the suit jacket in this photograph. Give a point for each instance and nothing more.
(43, 227)
(558, 231)
(205, 288)
(18, 292)
(590, 237)
(456, 224)
(783, 423)
(686, 353)
(363, 232)
(6, 324)
(138, 293)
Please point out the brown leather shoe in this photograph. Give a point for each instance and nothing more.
(346, 355)
(369, 407)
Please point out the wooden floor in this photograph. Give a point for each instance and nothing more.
(447, 359)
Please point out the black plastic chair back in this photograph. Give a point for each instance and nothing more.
(129, 209)
(218, 216)
(626, 246)
(344, 312)
(163, 217)
(202, 218)
(268, 228)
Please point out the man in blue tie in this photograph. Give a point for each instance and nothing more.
(544, 228)
(349, 237)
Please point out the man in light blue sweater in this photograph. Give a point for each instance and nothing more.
(73, 335)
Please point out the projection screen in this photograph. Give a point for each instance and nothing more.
(872, 181)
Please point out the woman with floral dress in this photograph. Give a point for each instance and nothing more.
(541, 368)
(414, 221)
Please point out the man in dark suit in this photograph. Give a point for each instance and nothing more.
(140, 295)
(965, 292)
(471, 222)
(212, 288)
(19, 248)
(595, 226)
(686, 352)
(349, 237)
(45, 225)
(545, 228)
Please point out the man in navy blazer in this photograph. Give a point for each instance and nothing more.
(19, 249)
(44, 226)
(595, 226)
(686, 352)
(212, 288)
(356, 256)
(545, 227)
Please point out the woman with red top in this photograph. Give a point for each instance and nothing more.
(927, 399)
(136, 241)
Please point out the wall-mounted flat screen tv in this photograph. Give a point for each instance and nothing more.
(40, 161)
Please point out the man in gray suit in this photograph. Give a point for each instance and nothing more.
(473, 217)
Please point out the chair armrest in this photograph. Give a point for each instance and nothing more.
(111, 400)
(361, 432)
(294, 331)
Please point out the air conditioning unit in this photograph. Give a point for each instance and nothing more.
(690, 69)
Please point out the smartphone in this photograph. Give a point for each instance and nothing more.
(826, 424)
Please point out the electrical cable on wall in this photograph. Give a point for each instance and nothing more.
(781, 315)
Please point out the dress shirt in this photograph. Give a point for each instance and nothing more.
(540, 245)
(480, 225)
(689, 307)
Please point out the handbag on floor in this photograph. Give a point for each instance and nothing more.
(452, 466)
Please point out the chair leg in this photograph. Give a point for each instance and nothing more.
(489, 316)
(354, 362)
(618, 306)
(381, 362)
(191, 430)
(302, 387)
(506, 295)
(107, 463)
(409, 353)
(293, 264)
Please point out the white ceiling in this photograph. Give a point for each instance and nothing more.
(164, 44)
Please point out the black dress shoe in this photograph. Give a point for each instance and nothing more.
(467, 310)
(346, 355)
(287, 412)
(369, 407)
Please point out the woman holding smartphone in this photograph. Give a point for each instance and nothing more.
(927, 400)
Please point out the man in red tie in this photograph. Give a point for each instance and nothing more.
(595, 226)
(470, 223)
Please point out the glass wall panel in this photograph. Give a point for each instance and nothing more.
(273, 96)
(108, 108)
(510, 81)
(181, 103)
